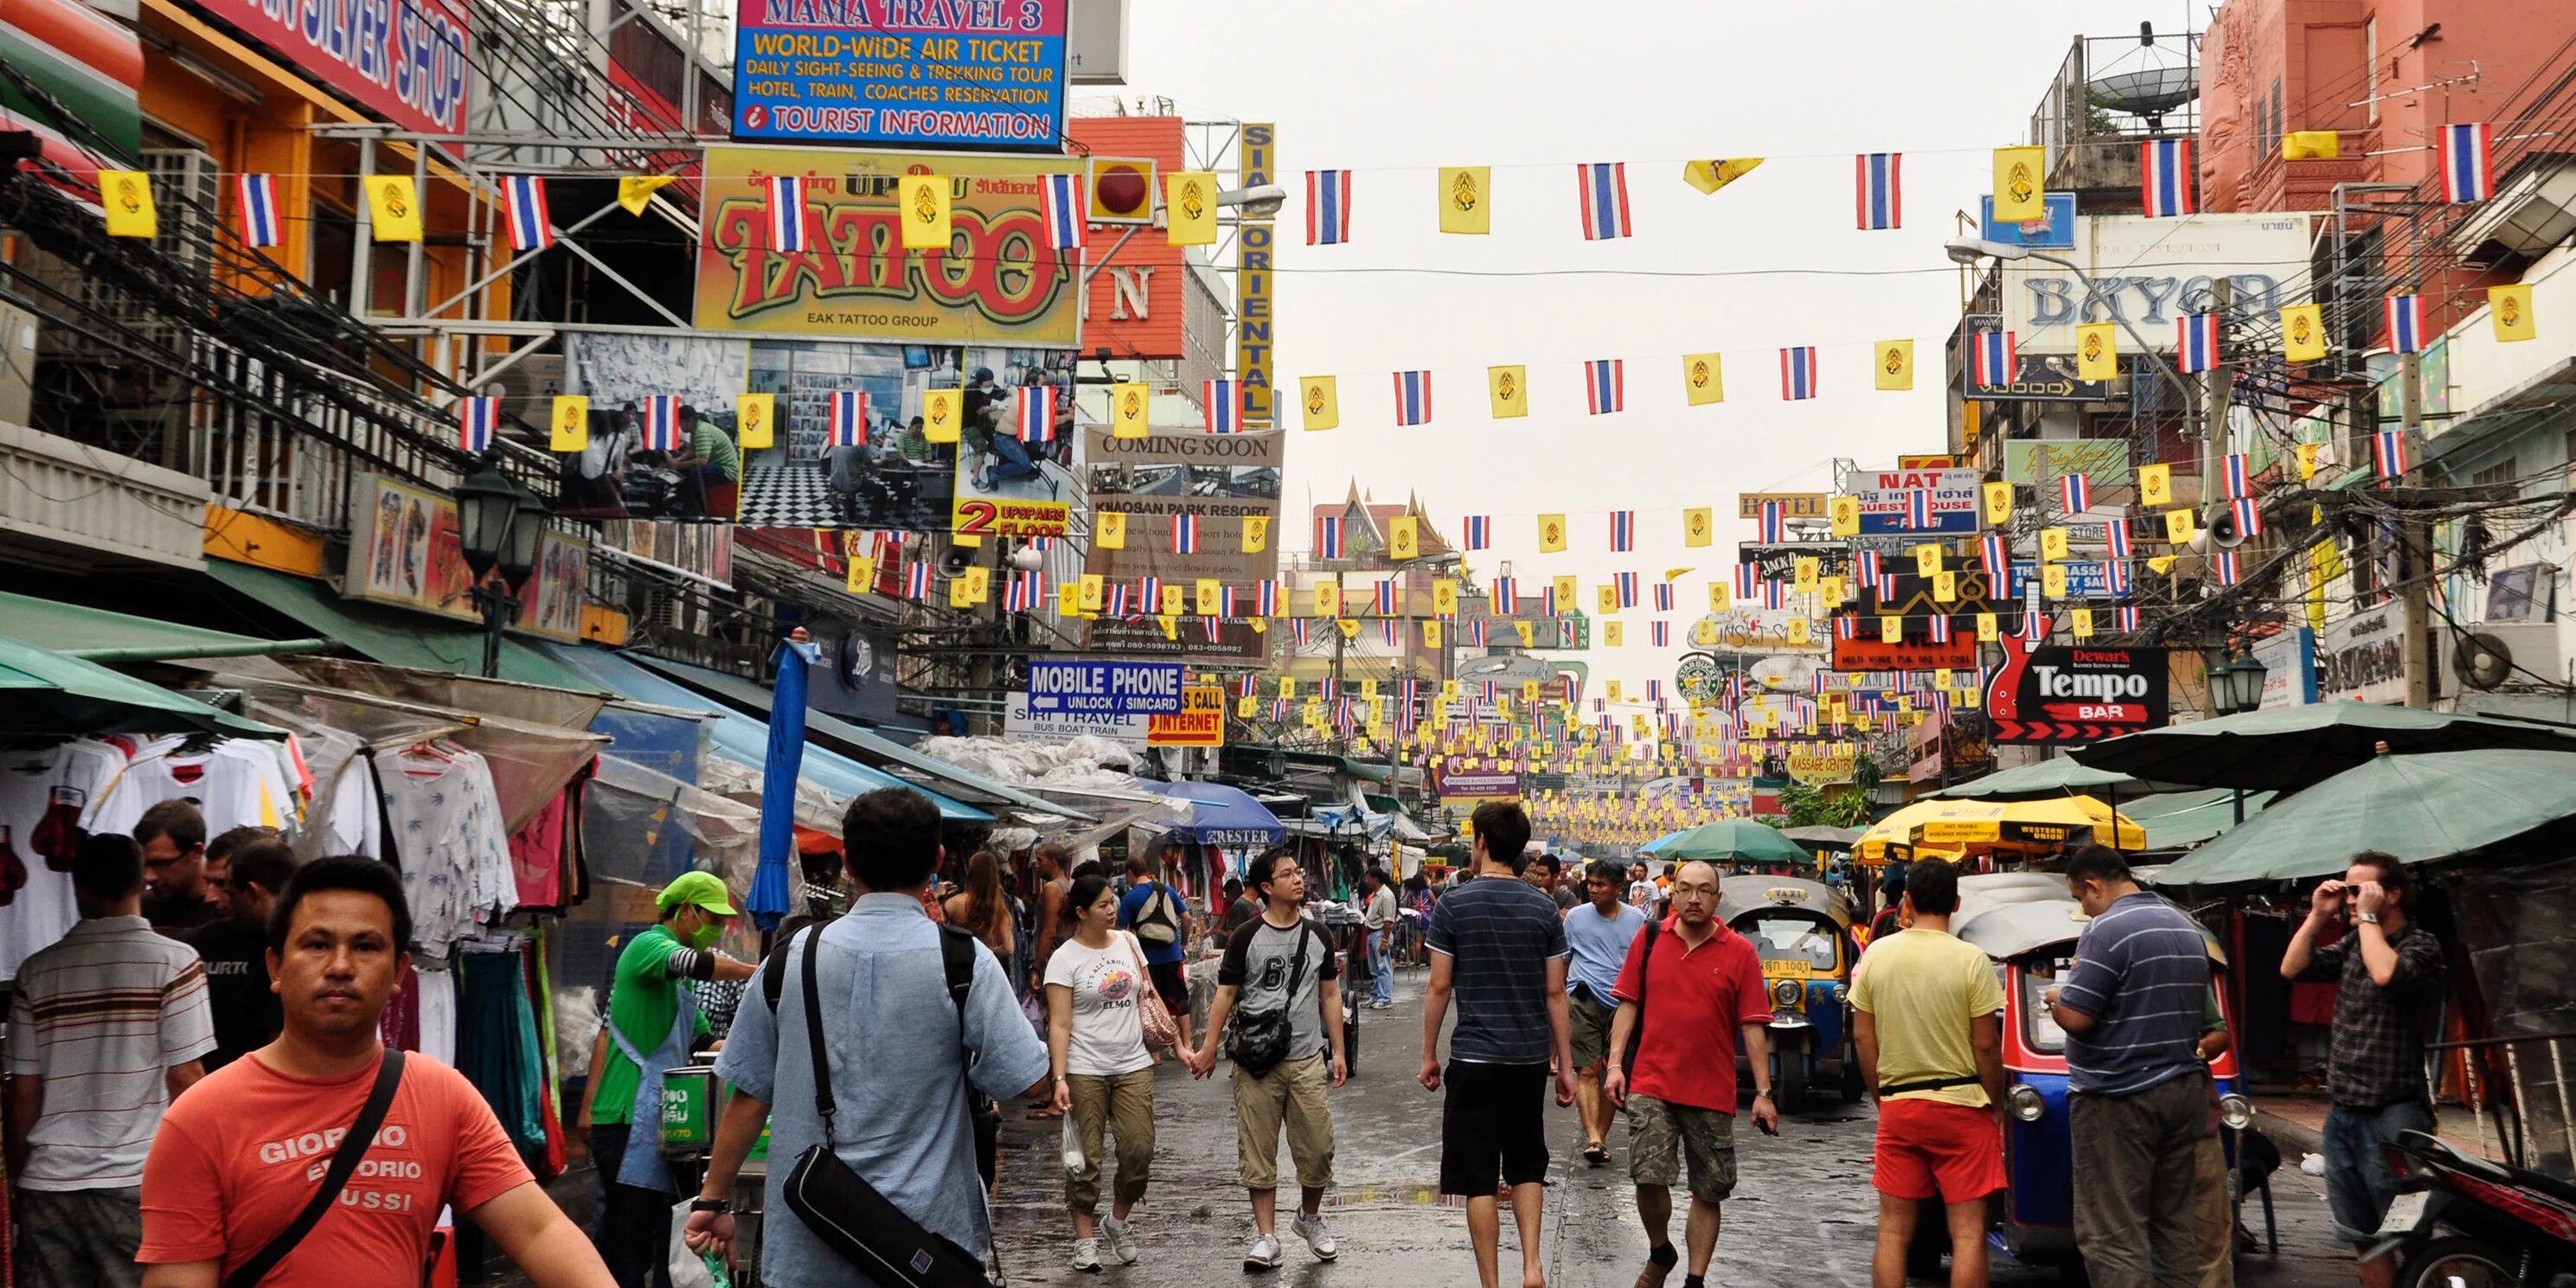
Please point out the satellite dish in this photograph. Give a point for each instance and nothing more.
(2482, 661)
(2149, 92)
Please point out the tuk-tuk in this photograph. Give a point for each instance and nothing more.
(1802, 930)
(2027, 923)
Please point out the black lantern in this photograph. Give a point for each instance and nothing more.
(2236, 685)
(487, 507)
(527, 531)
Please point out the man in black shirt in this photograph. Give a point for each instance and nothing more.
(176, 898)
(247, 1014)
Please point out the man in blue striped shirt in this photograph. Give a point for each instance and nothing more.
(2132, 1005)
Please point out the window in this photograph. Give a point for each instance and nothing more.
(1795, 940)
(2370, 65)
(2039, 1025)
(2499, 474)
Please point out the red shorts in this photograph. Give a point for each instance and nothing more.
(1934, 1149)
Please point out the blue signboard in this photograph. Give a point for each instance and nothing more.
(2084, 577)
(1104, 688)
(911, 73)
(2054, 231)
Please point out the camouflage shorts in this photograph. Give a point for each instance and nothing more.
(1661, 1136)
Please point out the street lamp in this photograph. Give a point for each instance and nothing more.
(1968, 250)
(2236, 687)
(499, 526)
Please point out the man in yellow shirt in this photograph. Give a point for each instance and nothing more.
(1927, 1018)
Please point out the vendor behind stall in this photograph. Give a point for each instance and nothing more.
(653, 1024)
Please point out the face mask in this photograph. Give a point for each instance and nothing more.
(705, 936)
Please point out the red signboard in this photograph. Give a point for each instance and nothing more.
(404, 60)
(1870, 653)
(1133, 307)
(2059, 694)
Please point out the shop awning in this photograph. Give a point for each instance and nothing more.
(874, 749)
(96, 635)
(737, 737)
(391, 636)
(44, 694)
(2181, 820)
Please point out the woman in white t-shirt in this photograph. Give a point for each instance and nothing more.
(1103, 1073)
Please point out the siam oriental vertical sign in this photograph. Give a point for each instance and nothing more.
(915, 73)
(1256, 240)
(405, 61)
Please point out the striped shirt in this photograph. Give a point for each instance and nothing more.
(1499, 933)
(101, 1015)
(2142, 973)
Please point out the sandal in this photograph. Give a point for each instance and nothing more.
(1596, 1154)
(1043, 1112)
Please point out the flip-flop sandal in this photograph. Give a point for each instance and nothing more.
(1596, 1155)
(1041, 1115)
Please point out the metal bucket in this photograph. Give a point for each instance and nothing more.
(689, 1105)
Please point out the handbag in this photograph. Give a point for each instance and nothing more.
(1257, 1041)
(1161, 1034)
(344, 1164)
(846, 1213)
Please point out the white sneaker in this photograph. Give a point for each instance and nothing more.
(1116, 1233)
(1380, 1006)
(1086, 1255)
(1263, 1254)
(1319, 1240)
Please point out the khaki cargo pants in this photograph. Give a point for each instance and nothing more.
(1293, 1093)
(1124, 1104)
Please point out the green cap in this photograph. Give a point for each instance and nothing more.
(705, 889)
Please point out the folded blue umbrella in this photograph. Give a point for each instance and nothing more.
(770, 889)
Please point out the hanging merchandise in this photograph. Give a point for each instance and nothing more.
(444, 823)
(51, 798)
(234, 782)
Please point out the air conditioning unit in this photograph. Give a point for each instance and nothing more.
(2499, 655)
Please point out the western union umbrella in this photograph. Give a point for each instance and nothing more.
(1733, 840)
(2287, 748)
(2435, 805)
(2053, 777)
(44, 694)
(1975, 825)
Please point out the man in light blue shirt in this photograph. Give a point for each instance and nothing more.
(899, 1052)
(1597, 936)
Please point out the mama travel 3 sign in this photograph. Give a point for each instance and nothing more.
(917, 73)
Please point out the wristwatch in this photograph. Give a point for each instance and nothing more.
(711, 1205)
(2366, 918)
(1762, 1093)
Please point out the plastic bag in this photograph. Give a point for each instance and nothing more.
(1072, 1148)
(690, 1269)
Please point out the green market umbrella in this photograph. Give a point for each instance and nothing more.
(2287, 748)
(2058, 776)
(2434, 805)
(44, 694)
(1733, 840)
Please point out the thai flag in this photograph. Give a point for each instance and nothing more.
(1384, 600)
(1037, 413)
(1991, 359)
(2034, 626)
(1798, 373)
(2235, 471)
(477, 419)
(1412, 397)
(1507, 594)
(1067, 215)
(916, 580)
(523, 200)
(2165, 167)
(2128, 618)
(1185, 534)
(1627, 584)
(2196, 343)
(2468, 167)
(1998, 564)
(1265, 598)
(1940, 628)
(1605, 386)
(848, 423)
(1748, 581)
(1623, 530)
(2076, 491)
(1149, 590)
(2226, 565)
(786, 213)
(2249, 515)
(1547, 604)
(2388, 454)
(1328, 536)
(260, 224)
(1028, 591)
(1388, 631)
(1846, 628)
(1918, 509)
(1661, 633)
(1224, 402)
(1775, 523)
(2406, 323)
(1225, 602)
(662, 423)
(2115, 575)
(1480, 531)
(1328, 207)
(1605, 199)
(1279, 710)
(1663, 597)
(1302, 630)
(1868, 566)
(2116, 535)
(1476, 637)
(1409, 692)
(1878, 198)
(1775, 594)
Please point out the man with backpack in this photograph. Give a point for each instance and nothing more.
(1159, 918)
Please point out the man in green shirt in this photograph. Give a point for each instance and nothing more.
(653, 1021)
(714, 462)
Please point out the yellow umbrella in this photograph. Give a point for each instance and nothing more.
(1977, 824)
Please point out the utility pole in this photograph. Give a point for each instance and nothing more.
(2212, 414)
(2416, 567)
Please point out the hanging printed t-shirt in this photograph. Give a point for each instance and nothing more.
(236, 783)
(50, 798)
(233, 1166)
(1108, 1032)
(447, 835)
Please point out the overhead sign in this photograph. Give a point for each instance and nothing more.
(1065, 726)
(2037, 377)
(1002, 286)
(2041, 462)
(1105, 688)
(2151, 272)
(2289, 667)
(1199, 723)
(2060, 694)
(911, 73)
(2053, 230)
(404, 60)
(1819, 766)
(2362, 659)
(1253, 315)
(2085, 578)
(1221, 479)
(1793, 505)
(1474, 779)
(1133, 303)
(1886, 499)
(1870, 653)
(406, 552)
(1929, 461)
(1780, 563)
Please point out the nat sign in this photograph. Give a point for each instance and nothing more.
(2073, 694)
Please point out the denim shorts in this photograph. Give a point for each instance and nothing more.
(2359, 1185)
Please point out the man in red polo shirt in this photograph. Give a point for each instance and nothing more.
(1680, 1089)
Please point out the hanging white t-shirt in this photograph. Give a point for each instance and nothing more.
(1108, 1031)
(236, 783)
(446, 834)
(356, 823)
(50, 798)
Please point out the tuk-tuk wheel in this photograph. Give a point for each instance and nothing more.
(1791, 1085)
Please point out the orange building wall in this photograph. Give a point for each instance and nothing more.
(1158, 334)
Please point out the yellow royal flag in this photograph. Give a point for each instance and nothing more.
(126, 195)
(2097, 351)
(923, 199)
(1986, 631)
(1804, 572)
(2083, 622)
(1245, 705)
(1891, 629)
(2155, 485)
(1321, 398)
(2052, 580)
(1256, 533)
(2310, 145)
(1710, 175)
(2020, 189)
(1797, 630)
(755, 420)
(1444, 596)
(1129, 407)
(1844, 514)
(2307, 453)
(1703, 379)
(1109, 530)
(2160, 564)
(1568, 591)
(942, 414)
(2303, 332)
(569, 424)
(1551, 534)
(1189, 207)
(1508, 388)
(1259, 625)
(967, 589)
(1895, 365)
(1832, 590)
(394, 206)
(1209, 594)
(1287, 686)
(2509, 308)
(1613, 634)
(1170, 624)
(1404, 537)
(1927, 559)
(1466, 204)
(1526, 630)
(1328, 599)
(1068, 599)
(863, 575)
(635, 191)
(2052, 543)
(1970, 696)
(1431, 632)
(1998, 504)
(1175, 601)
(2179, 527)
(1095, 591)
(1945, 587)
(1348, 626)
(1720, 598)
(1699, 525)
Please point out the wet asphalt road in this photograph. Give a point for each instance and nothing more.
(1803, 1215)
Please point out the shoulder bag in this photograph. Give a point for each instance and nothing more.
(1257, 1041)
(344, 1164)
(1645, 969)
(1161, 1034)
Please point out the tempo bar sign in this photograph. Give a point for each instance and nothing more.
(1105, 688)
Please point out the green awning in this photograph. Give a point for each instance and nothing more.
(2180, 820)
(45, 694)
(391, 636)
(2359, 474)
(97, 635)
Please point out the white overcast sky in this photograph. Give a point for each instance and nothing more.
(1393, 89)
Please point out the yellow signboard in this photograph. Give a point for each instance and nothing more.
(1793, 505)
(1199, 723)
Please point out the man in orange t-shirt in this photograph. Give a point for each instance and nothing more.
(235, 1165)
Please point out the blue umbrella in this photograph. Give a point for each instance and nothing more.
(768, 903)
(1222, 815)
